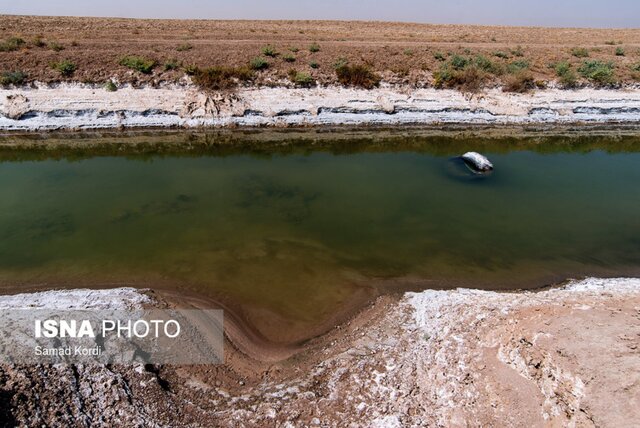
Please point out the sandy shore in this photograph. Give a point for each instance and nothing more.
(76, 106)
(565, 356)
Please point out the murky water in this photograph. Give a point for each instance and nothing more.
(298, 231)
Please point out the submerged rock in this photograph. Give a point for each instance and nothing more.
(477, 162)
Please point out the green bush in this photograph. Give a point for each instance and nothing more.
(171, 64)
(459, 62)
(340, 62)
(619, 51)
(191, 69)
(184, 47)
(11, 44)
(597, 71)
(293, 49)
(519, 65)
(289, 58)
(564, 71)
(110, 86)
(314, 64)
(259, 63)
(485, 64)
(636, 67)
(12, 78)
(468, 79)
(301, 79)
(66, 68)
(501, 54)
(269, 51)
(314, 47)
(221, 78)
(439, 56)
(138, 63)
(358, 75)
(580, 52)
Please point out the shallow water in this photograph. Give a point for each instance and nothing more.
(298, 231)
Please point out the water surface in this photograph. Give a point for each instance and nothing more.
(297, 231)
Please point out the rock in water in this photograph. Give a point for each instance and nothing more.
(477, 162)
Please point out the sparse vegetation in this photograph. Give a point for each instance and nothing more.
(171, 64)
(259, 63)
(439, 56)
(143, 65)
(568, 77)
(340, 62)
(269, 51)
(289, 58)
(65, 67)
(314, 47)
(518, 65)
(11, 44)
(518, 51)
(598, 72)
(580, 52)
(314, 64)
(184, 47)
(301, 79)
(619, 51)
(501, 54)
(293, 49)
(358, 75)
(408, 52)
(55, 46)
(16, 78)
(221, 78)
(521, 81)
(38, 42)
(110, 86)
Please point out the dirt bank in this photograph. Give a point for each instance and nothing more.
(566, 356)
(75, 106)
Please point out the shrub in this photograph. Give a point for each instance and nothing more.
(301, 79)
(314, 64)
(358, 75)
(597, 71)
(580, 52)
(38, 42)
(636, 67)
(12, 78)
(259, 63)
(439, 56)
(501, 54)
(469, 79)
(522, 81)
(518, 51)
(55, 46)
(110, 86)
(619, 51)
(171, 64)
(184, 47)
(459, 62)
(517, 66)
(289, 58)
(269, 51)
(408, 52)
(221, 78)
(568, 78)
(340, 62)
(138, 63)
(485, 64)
(610, 42)
(66, 68)
(11, 44)
(293, 49)
(191, 69)
(314, 47)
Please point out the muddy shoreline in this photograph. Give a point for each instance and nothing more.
(549, 357)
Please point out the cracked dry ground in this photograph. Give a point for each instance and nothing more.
(553, 358)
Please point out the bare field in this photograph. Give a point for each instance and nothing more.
(400, 53)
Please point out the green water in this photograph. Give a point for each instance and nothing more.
(298, 231)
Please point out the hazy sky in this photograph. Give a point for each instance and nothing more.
(575, 13)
